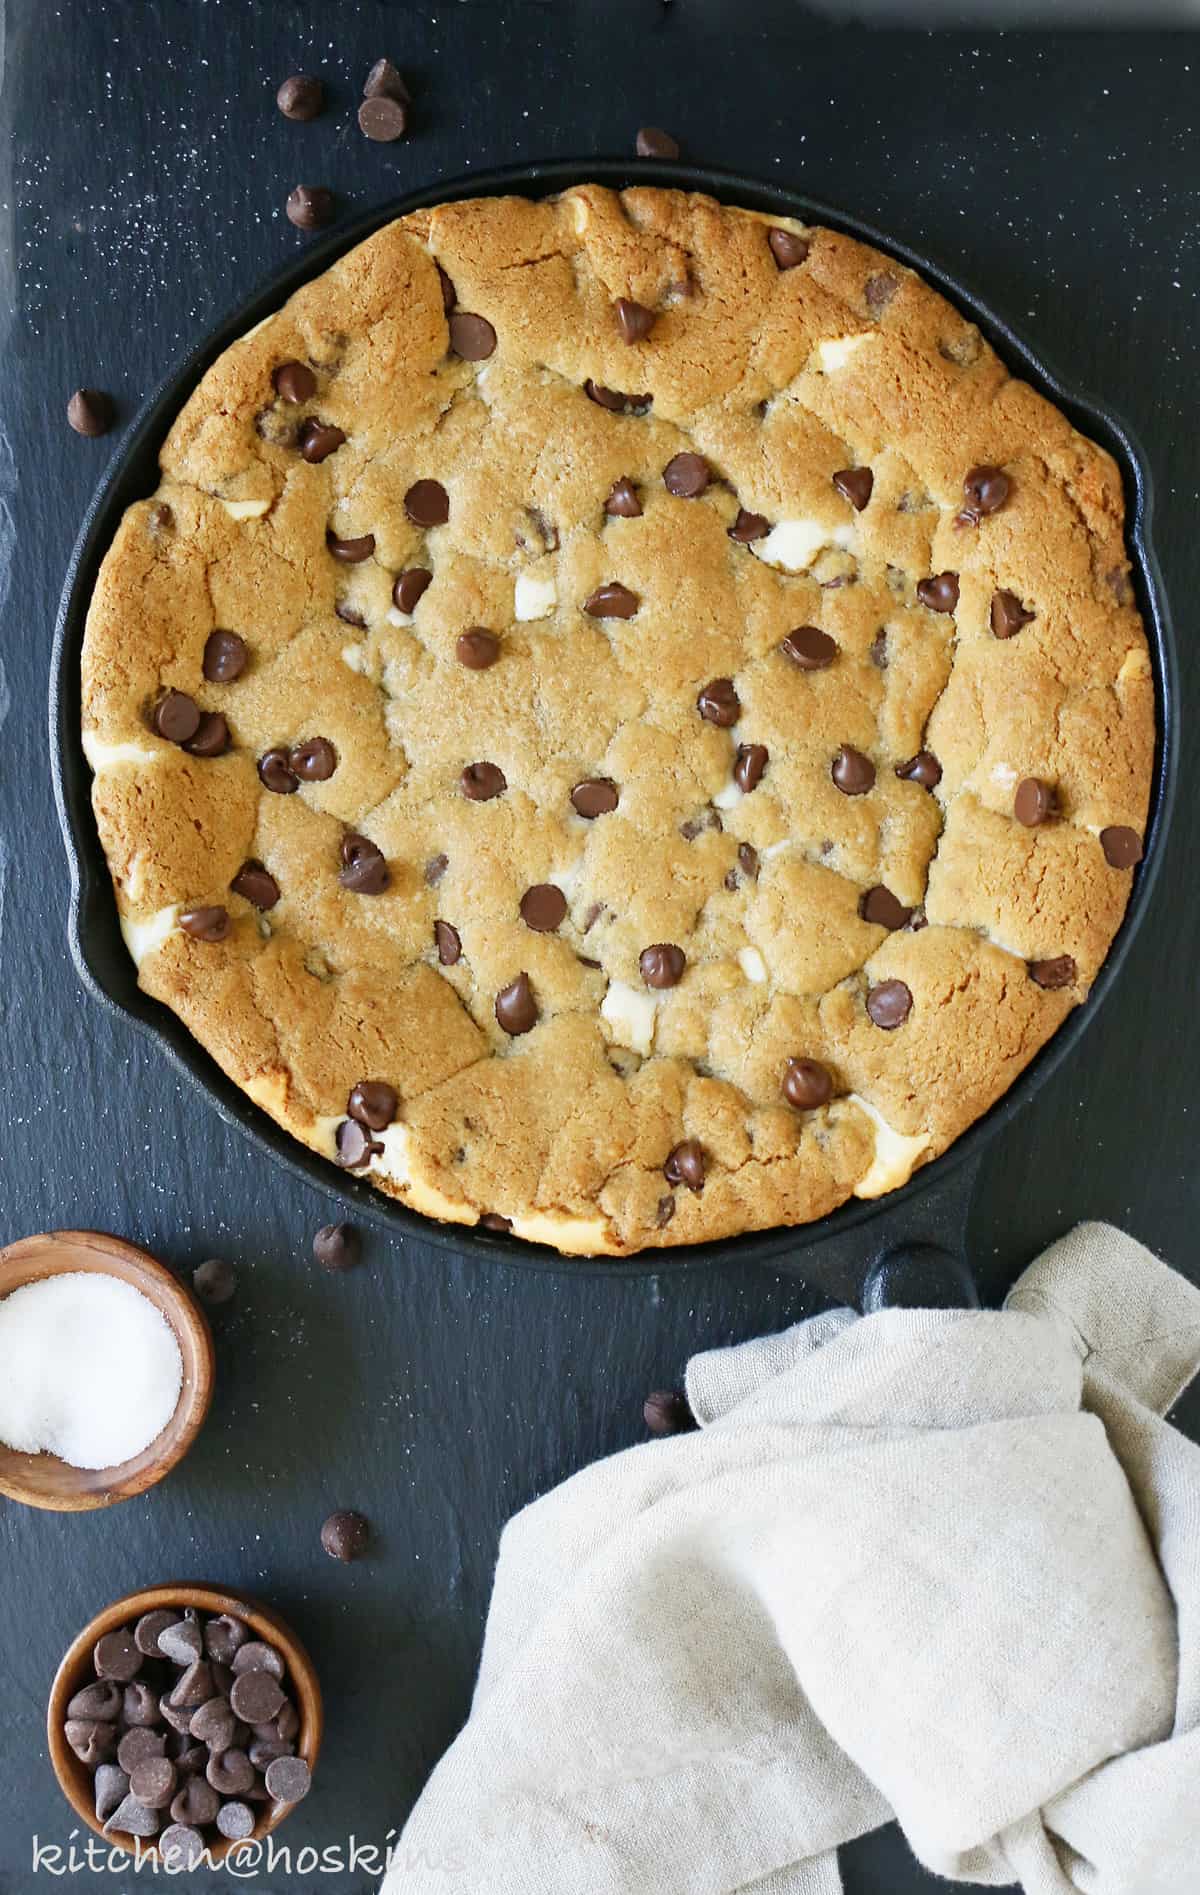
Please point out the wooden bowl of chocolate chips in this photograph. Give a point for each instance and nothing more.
(185, 1722)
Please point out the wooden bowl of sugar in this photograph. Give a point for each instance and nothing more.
(104, 1356)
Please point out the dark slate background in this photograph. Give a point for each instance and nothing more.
(143, 169)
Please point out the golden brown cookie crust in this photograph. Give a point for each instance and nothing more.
(779, 378)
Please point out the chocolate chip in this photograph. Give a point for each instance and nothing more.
(853, 773)
(516, 1008)
(427, 504)
(940, 593)
(749, 527)
(666, 1411)
(595, 796)
(214, 1724)
(180, 1846)
(1122, 847)
(664, 1212)
(613, 601)
(719, 704)
(212, 736)
(196, 1803)
(90, 412)
(809, 648)
(139, 1744)
(256, 885)
(479, 782)
(152, 1782)
(133, 1819)
(275, 772)
(686, 476)
(92, 1739)
(288, 1779)
(472, 337)
(178, 1718)
(345, 1535)
(881, 908)
(807, 1084)
(449, 293)
(448, 943)
(383, 120)
(214, 1281)
(1008, 614)
(410, 585)
(662, 965)
(1035, 802)
(889, 1004)
(686, 1165)
(384, 81)
(111, 1785)
(623, 501)
(924, 769)
(176, 717)
(614, 400)
(337, 1247)
(194, 1687)
(653, 142)
(313, 761)
(99, 1701)
(189, 1758)
(1053, 974)
(435, 868)
(224, 1637)
(477, 649)
(855, 484)
(231, 1772)
(149, 1626)
(878, 652)
(364, 869)
(879, 290)
(300, 97)
(634, 320)
(543, 907)
(317, 440)
(492, 1220)
(309, 206)
(256, 1694)
(350, 552)
(786, 247)
(294, 381)
(205, 924)
(264, 1750)
(748, 766)
(985, 490)
(374, 1104)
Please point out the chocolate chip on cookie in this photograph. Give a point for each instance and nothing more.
(225, 657)
(748, 766)
(409, 587)
(1122, 847)
(477, 649)
(686, 1164)
(787, 248)
(686, 476)
(317, 440)
(176, 717)
(256, 885)
(472, 337)
(1008, 615)
(427, 504)
(612, 601)
(294, 381)
(595, 796)
(516, 1008)
(855, 484)
(809, 648)
(882, 909)
(853, 773)
(889, 1004)
(543, 907)
(212, 737)
(623, 502)
(448, 943)
(275, 772)
(634, 320)
(1053, 974)
(985, 491)
(807, 1084)
(748, 527)
(351, 552)
(364, 870)
(480, 782)
(615, 400)
(924, 769)
(1035, 802)
(354, 1149)
(374, 1104)
(313, 761)
(940, 593)
(719, 704)
(662, 965)
(205, 924)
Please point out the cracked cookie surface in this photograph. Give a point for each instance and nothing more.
(679, 734)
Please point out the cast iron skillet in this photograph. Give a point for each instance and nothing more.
(927, 1216)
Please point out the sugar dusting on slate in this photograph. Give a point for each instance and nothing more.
(89, 1369)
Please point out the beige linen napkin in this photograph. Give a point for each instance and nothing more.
(941, 1564)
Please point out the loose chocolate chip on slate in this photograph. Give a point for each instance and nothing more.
(492, 1220)
(176, 717)
(479, 782)
(212, 736)
(807, 1084)
(662, 965)
(214, 1281)
(138, 1744)
(300, 97)
(317, 440)
(337, 1247)
(256, 1694)
(985, 490)
(345, 1534)
(1008, 614)
(309, 206)
(516, 1008)
(686, 1165)
(374, 1104)
(313, 761)
(686, 476)
(748, 766)
(288, 1779)
(1035, 802)
(354, 1145)
(256, 885)
(719, 704)
(853, 773)
(409, 587)
(613, 601)
(133, 1819)
(889, 1004)
(615, 400)
(749, 527)
(386, 82)
(427, 504)
(152, 1782)
(748, 860)
(180, 1846)
(634, 320)
(235, 1820)
(786, 247)
(1122, 847)
(100, 1701)
(809, 648)
(196, 1803)
(383, 120)
(595, 796)
(940, 593)
(205, 924)
(543, 907)
(1053, 974)
(90, 412)
(110, 1786)
(231, 1772)
(364, 868)
(477, 649)
(350, 552)
(294, 381)
(225, 1635)
(472, 337)
(91, 1738)
(666, 1411)
(855, 484)
(448, 943)
(879, 290)
(653, 142)
(924, 769)
(623, 501)
(881, 908)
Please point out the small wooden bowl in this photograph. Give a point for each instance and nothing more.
(42, 1480)
(76, 1670)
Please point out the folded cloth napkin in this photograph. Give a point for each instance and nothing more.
(938, 1564)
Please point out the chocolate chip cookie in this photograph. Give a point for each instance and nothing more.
(622, 721)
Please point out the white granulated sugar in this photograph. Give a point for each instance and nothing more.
(89, 1369)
